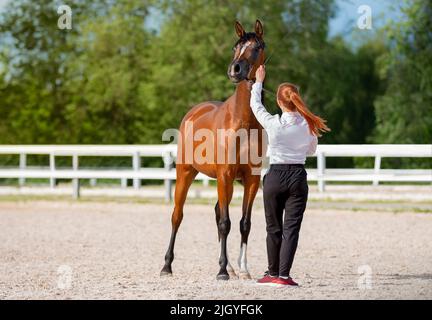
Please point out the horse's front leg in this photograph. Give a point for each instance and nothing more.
(225, 191)
(251, 185)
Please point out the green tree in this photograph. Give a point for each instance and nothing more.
(404, 111)
(34, 51)
(73, 86)
(3, 85)
(105, 104)
(341, 85)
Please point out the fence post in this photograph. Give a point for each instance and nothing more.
(123, 183)
(75, 181)
(206, 182)
(52, 168)
(136, 166)
(377, 167)
(22, 165)
(168, 162)
(321, 170)
(93, 182)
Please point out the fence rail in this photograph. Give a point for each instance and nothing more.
(167, 152)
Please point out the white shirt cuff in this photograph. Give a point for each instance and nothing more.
(257, 86)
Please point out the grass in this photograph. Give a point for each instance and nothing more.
(327, 204)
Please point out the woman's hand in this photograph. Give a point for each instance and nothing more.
(260, 73)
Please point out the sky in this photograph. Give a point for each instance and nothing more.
(346, 18)
(2, 3)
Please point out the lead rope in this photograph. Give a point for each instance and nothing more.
(271, 92)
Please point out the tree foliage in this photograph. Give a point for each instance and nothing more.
(404, 111)
(111, 79)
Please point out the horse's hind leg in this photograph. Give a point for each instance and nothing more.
(230, 269)
(251, 185)
(185, 176)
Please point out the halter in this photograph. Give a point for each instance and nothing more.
(248, 36)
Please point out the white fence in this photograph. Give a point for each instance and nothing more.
(167, 152)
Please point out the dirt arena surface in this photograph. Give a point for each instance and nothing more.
(114, 250)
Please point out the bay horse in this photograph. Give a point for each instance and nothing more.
(234, 114)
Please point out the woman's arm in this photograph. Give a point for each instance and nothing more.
(260, 112)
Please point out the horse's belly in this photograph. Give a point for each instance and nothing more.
(207, 169)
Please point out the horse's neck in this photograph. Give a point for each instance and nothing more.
(240, 109)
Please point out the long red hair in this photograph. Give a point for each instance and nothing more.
(288, 97)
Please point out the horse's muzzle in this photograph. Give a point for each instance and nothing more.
(238, 71)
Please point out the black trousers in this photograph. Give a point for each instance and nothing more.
(285, 188)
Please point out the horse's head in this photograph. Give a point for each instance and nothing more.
(248, 53)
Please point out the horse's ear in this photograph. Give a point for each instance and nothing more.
(259, 30)
(239, 29)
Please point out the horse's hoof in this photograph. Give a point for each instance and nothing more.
(222, 276)
(232, 274)
(245, 275)
(166, 272)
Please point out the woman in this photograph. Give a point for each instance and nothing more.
(292, 136)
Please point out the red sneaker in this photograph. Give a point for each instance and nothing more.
(282, 282)
(267, 280)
